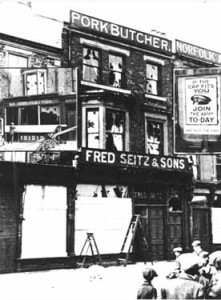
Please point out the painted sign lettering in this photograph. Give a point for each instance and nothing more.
(130, 35)
(133, 160)
(201, 109)
(197, 52)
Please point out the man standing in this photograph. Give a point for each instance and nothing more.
(185, 286)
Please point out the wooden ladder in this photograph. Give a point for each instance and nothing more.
(91, 244)
(135, 229)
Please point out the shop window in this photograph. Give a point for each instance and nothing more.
(115, 71)
(49, 115)
(29, 115)
(90, 64)
(35, 82)
(115, 130)
(12, 115)
(92, 130)
(175, 203)
(152, 79)
(154, 137)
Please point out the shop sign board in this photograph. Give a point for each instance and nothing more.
(128, 159)
(197, 110)
(196, 52)
(146, 40)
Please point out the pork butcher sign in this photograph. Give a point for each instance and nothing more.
(128, 159)
(201, 108)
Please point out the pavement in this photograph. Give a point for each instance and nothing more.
(95, 282)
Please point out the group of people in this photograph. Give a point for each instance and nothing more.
(196, 275)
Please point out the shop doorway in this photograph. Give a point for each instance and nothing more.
(153, 221)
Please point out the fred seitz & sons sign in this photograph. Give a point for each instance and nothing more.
(127, 159)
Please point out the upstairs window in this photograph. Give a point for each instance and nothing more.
(90, 64)
(115, 130)
(152, 79)
(115, 71)
(154, 137)
(35, 82)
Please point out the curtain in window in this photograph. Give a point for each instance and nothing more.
(90, 64)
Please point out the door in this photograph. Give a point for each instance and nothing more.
(153, 222)
(175, 232)
(156, 232)
(201, 229)
(8, 230)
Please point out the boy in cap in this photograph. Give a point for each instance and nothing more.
(177, 252)
(147, 291)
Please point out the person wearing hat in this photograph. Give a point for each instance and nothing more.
(177, 252)
(214, 290)
(197, 247)
(207, 270)
(147, 290)
(185, 285)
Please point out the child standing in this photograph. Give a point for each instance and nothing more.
(147, 291)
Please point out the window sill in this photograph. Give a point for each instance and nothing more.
(149, 96)
(105, 87)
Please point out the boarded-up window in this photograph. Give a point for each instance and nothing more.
(44, 225)
(105, 215)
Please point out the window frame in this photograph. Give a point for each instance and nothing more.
(157, 119)
(122, 72)
(102, 125)
(38, 72)
(91, 48)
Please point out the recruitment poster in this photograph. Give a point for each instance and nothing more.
(201, 108)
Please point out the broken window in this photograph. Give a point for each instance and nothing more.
(115, 130)
(90, 64)
(152, 79)
(175, 203)
(49, 115)
(115, 70)
(154, 138)
(35, 82)
(93, 140)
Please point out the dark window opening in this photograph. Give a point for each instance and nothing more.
(12, 115)
(29, 115)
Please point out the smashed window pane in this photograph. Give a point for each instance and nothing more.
(154, 137)
(49, 115)
(35, 83)
(115, 73)
(152, 79)
(93, 128)
(90, 64)
(115, 130)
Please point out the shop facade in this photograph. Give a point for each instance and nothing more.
(156, 187)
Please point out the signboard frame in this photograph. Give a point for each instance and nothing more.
(197, 111)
